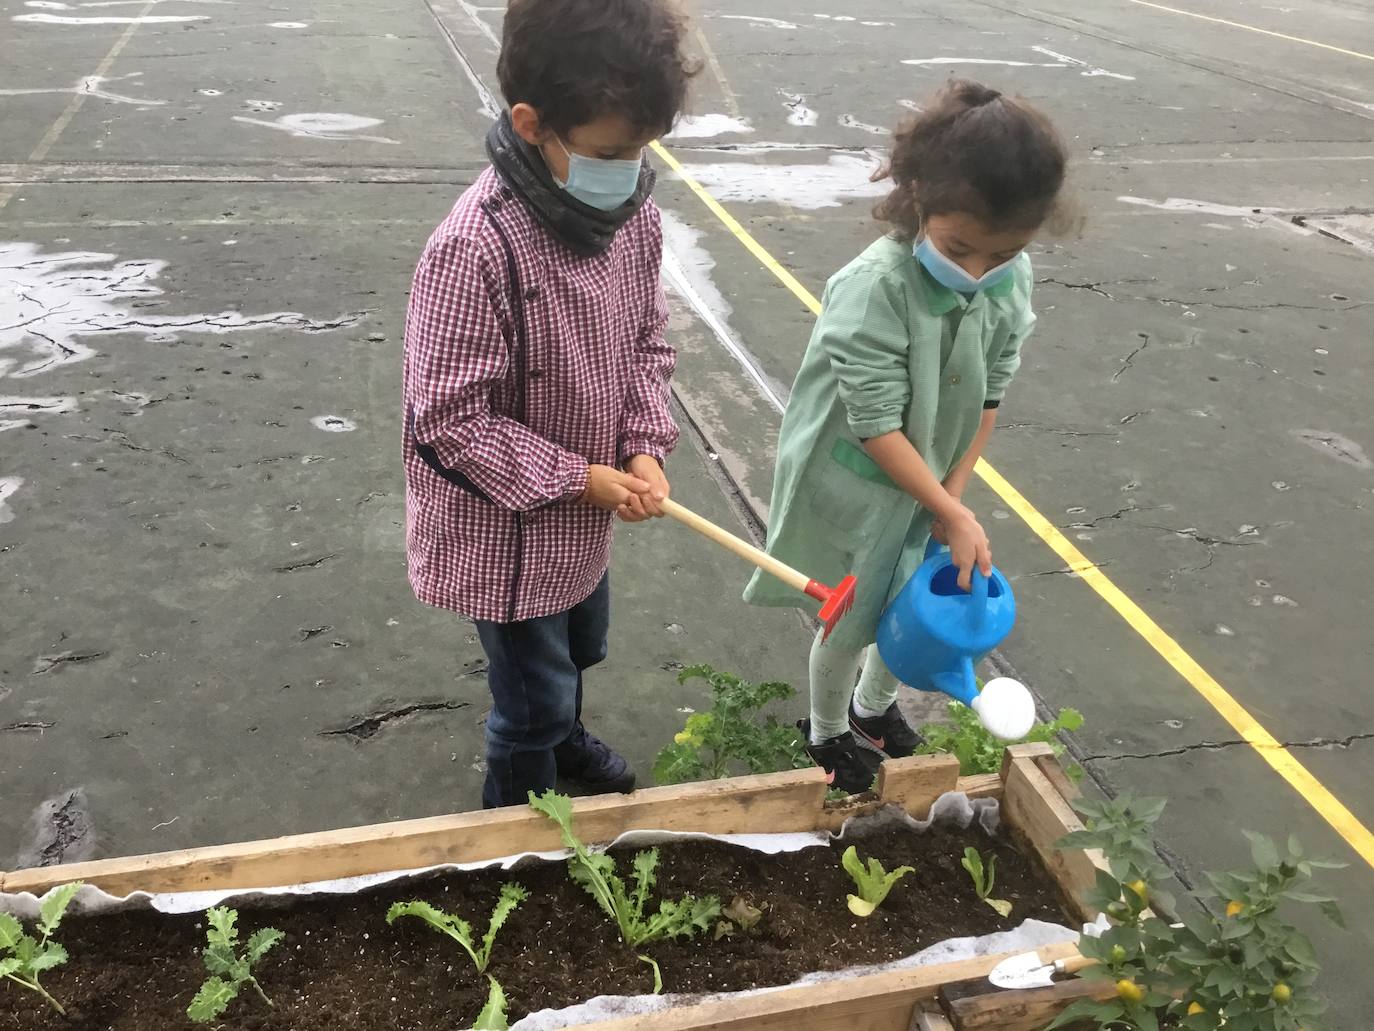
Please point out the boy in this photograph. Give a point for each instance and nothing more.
(536, 399)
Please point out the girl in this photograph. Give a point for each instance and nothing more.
(897, 394)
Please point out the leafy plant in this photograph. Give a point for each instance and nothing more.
(229, 969)
(628, 906)
(1234, 963)
(493, 1015)
(975, 747)
(23, 957)
(984, 876)
(732, 736)
(460, 930)
(739, 915)
(872, 881)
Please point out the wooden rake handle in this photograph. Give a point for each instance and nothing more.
(726, 539)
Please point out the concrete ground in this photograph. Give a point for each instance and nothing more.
(205, 631)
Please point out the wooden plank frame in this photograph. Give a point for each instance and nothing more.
(1031, 787)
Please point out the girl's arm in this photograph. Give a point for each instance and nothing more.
(968, 544)
(957, 480)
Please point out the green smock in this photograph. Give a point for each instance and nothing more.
(892, 350)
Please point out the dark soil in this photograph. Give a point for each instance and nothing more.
(341, 966)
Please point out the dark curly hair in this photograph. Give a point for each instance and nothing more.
(977, 151)
(575, 61)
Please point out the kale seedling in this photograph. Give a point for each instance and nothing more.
(872, 881)
(732, 736)
(460, 930)
(493, 1015)
(23, 957)
(984, 875)
(595, 872)
(229, 969)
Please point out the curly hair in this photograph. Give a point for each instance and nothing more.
(976, 151)
(575, 61)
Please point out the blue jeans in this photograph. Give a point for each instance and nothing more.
(534, 669)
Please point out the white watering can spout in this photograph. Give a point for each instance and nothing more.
(1005, 707)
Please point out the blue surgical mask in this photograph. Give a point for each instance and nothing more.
(949, 274)
(601, 184)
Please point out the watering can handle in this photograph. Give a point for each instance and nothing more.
(979, 583)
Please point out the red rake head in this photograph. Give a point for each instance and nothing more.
(837, 601)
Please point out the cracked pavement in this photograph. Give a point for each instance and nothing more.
(1193, 408)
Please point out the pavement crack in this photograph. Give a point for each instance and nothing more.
(1062, 571)
(1192, 533)
(1127, 420)
(1061, 431)
(65, 832)
(370, 725)
(1095, 288)
(308, 632)
(309, 563)
(27, 725)
(48, 663)
(1120, 513)
(1129, 360)
(1216, 746)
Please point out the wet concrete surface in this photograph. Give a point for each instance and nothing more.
(204, 623)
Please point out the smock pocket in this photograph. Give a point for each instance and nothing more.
(851, 494)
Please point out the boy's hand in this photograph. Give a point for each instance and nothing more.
(611, 489)
(645, 505)
(968, 544)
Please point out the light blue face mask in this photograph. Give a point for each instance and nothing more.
(601, 184)
(948, 274)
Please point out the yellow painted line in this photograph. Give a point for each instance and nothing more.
(741, 234)
(1256, 28)
(1316, 794)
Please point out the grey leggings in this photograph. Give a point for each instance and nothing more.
(832, 686)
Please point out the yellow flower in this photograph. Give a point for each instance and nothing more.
(1194, 1009)
(1234, 908)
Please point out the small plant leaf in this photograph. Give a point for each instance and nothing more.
(860, 907)
(973, 863)
(260, 943)
(220, 959)
(1002, 906)
(445, 923)
(1332, 912)
(742, 914)
(11, 930)
(872, 880)
(1262, 850)
(493, 1015)
(511, 896)
(10, 966)
(645, 863)
(212, 1000)
(557, 808)
(222, 923)
(54, 907)
(658, 974)
(49, 955)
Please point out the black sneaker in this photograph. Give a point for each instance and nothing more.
(841, 760)
(592, 764)
(889, 733)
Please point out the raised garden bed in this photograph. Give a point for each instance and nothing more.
(342, 966)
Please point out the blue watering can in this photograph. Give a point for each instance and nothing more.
(934, 633)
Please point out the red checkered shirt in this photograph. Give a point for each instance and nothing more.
(525, 362)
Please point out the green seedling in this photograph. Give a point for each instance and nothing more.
(23, 957)
(229, 969)
(627, 906)
(984, 875)
(873, 882)
(738, 916)
(460, 930)
(493, 1015)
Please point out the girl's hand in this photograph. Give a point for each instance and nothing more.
(968, 544)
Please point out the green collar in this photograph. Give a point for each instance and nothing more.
(943, 300)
